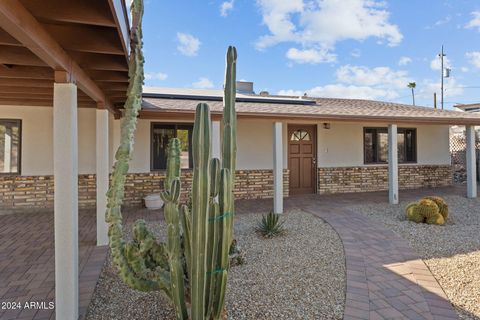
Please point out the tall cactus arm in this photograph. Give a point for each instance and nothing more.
(229, 148)
(225, 199)
(200, 199)
(116, 191)
(212, 247)
(171, 197)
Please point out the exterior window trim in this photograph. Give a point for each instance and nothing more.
(385, 129)
(19, 165)
(176, 126)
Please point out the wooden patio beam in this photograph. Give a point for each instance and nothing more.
(26, 83)
(19, 56)
(19, 23)
(92, 12)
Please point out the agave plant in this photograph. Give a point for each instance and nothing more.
(271, 226)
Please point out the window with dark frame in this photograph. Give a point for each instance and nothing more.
(10, 146)
(161, 133)
(375, 145)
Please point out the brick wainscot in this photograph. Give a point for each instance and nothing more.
(375, 178)
(36, 192)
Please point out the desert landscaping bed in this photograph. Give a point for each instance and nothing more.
(452, 251)
(300, 275)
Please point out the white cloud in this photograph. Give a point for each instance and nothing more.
(356, 53)
(380, 76)
(464, 69)
(440, 22)
(404, 61)
(359, 82)
(451, 89)
(475, 22)
(474, 58)
(188, 45)
(203, 83)
(320, 25)
(343, 91)
(225, 7)
(312, 56)
(156, 76)
(436, 63)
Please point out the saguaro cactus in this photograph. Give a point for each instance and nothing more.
(202, 237)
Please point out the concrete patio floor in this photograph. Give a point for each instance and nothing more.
(382, 271)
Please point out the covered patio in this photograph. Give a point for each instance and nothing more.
(66, 55)
(27, 252)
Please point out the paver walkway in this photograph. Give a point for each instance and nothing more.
(27, 263)
(385, 278)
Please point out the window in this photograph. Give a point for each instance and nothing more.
(161, 135)
(375, 144)
(300, 135)
(10, 138)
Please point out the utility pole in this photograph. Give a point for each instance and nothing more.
(441, 55)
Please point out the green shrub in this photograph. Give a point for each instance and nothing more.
(270, 226)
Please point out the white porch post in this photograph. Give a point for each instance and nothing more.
(102, 164)
(277, 168)
(471, 162)
(65, 169)
(392, 164)
(216, 143)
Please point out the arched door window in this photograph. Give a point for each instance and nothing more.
(300, 135)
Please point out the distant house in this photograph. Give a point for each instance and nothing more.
(474, 107)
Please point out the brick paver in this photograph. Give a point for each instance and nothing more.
(27, 263)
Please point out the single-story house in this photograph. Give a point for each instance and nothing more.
(324, 145)
(63, 79)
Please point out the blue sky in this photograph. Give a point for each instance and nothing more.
(333, 48)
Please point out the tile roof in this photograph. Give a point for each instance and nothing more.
(325, 108)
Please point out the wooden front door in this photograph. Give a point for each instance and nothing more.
(302, 158)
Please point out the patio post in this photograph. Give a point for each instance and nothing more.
(471, 162)
(277, 168)
(65, 169)
(216, 143)
(102, 171)
(392, 164)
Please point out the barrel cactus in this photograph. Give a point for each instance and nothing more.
(429, 210)
(414, 215)
(442, 205)
(191, 267)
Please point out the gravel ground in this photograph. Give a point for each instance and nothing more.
(452, 251)
(298, 276)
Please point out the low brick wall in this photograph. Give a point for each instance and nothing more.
(375, 178)
(36, 192)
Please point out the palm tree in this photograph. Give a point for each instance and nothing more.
(412, 85)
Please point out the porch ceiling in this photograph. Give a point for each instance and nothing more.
(85, 38)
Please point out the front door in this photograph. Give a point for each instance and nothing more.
(302, 158)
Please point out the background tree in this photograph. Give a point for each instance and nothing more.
(412, 85)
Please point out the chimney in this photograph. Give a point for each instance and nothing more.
(245, 87)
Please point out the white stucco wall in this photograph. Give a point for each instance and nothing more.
(37, 138)
(341, 145)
